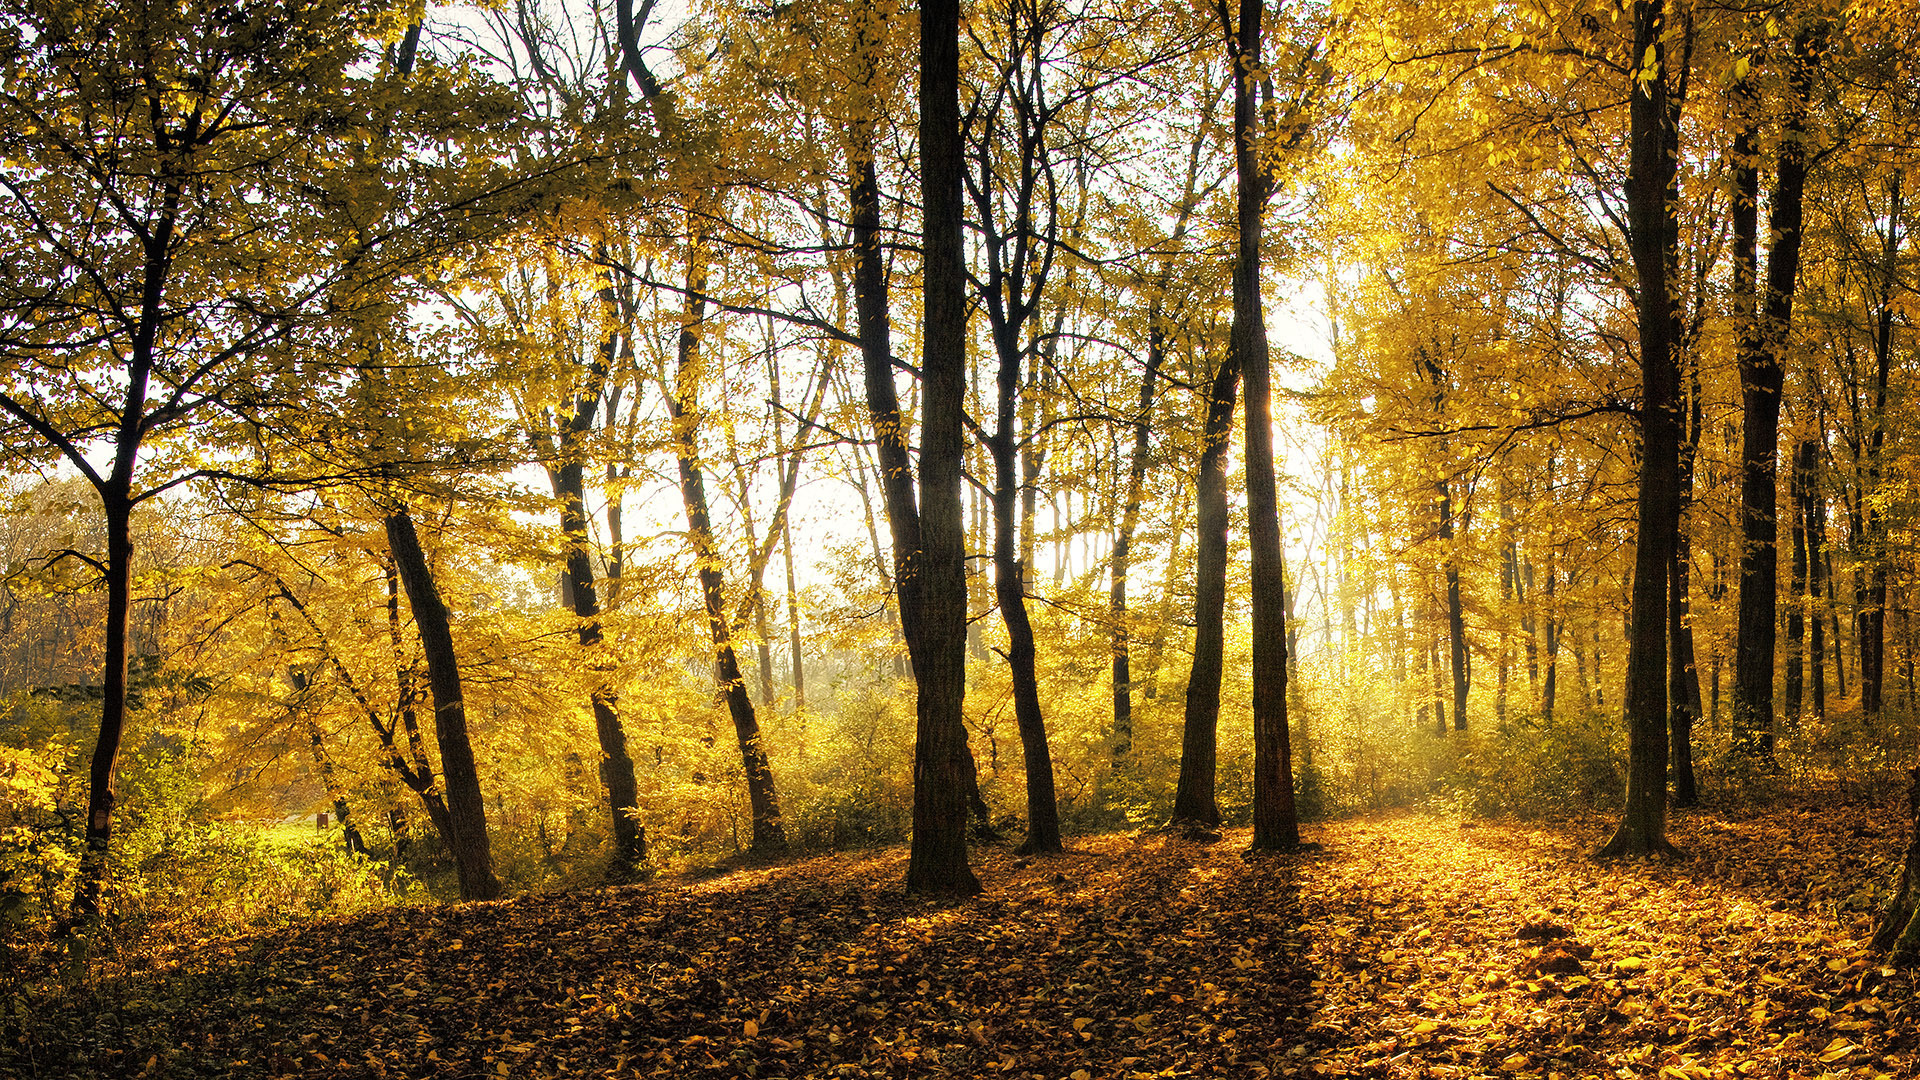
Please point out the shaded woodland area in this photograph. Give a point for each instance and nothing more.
(556, 445)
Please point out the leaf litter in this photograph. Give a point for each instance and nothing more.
(1406, 947)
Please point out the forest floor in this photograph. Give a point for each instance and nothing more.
(1407, 946)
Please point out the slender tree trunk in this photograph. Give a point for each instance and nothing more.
(1194, 802)
(466, 811)
(1814, 514)
(793, 622)
(323, 766)
(1275, 825)
(1871, 622)
(769, 832)
(1761, 375)
(1120, 559)
(1459, 659)
(1652, 160)
(937, 860)
(568, 478)
(1795, 684)
(1683, 677)
(1550, 619)
(118, 572)
(419, 775)
(1009, 586)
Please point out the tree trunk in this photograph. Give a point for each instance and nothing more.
(1899, 932)
(1652, 159)
(1550, 619)
(793, 622)
(1683, 676)
(1275, 825)
(1871, 622)
(1460, 661)
(1194, 802)
(937, 860)
(1120, 559)
(1761, 374)
(1795, 683)
(466, 812)
(1816, 517)
(568, 478)
(769, 833)
(1009, 587)
(118, 572)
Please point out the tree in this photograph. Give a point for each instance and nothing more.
(163, 189)
(1653, 151)
(937, 862)
(1275, 825)
(1762, 371)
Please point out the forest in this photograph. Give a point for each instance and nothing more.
(833, 488)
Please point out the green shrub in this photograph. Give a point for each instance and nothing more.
(1528, 766)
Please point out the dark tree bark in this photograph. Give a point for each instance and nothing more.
(1275, 825)
(1795, 684)
(419, 774)
(769, 832)
(466, 812)
(1459, 659)
(1898, 934)
(1019, 226)
(1009, 587)
(567, 475)
(799, 659)
(118, 572)
(1652, 160)
(937, 860)
(1121, 557)
(1683, 677)
(1194, 801)
(1760, 353)
(1871, 622)
(1815, 515)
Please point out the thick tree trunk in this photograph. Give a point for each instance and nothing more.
(1652, 159)
(466, 812)
(937, 860)
(1194, 801)
(1898, 934)
(1760, 378)
(1275, 825)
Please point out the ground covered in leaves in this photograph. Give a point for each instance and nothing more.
(1406, 947)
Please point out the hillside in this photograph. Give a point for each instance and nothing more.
(1408, 947)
